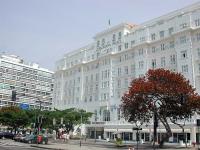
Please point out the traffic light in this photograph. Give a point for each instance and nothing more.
(14, 94)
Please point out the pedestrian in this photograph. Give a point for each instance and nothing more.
(64, 136)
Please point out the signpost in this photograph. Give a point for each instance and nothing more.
(24, 106)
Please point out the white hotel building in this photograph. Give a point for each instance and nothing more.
(95, 77)
(32, 84)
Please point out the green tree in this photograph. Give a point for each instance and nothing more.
(13, 117)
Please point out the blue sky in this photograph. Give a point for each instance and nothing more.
(43, 31)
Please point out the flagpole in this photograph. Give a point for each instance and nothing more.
(109, 23)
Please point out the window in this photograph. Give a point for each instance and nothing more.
(95, 115)
(133, 68)
(171, 44)
(119, 36)
(183, 54)
(91, 77)
(162, 47)
(198, 36)
(132, 55)
(119, 71)
(171, 30)
(118, 114)
(142, 39)
(198, 52)
(141, 51)
(126, 45)
(98, 43)
(102, 42)
(199, 67)
(119, 83)
(132, 43)
(153, 36)
(197, 22)
(162, 34)
(153, 49)
(153, 63)
(182, 39)
(141, 64)
(173, 59)
(86, 79)
(126, 56)
(114, 39)
(106, 115)
(119, 48)
(120, 58)
(118, 94)
(126, 69)
(126, 83)
(185, 68)
(78, 79)
(162, 61)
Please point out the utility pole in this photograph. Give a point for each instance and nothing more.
(39, 117)
(81, 128)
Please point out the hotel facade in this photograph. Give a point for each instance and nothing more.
(24, 85)
(96, 76)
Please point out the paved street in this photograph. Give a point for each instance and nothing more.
(18, 148)
(12, 145)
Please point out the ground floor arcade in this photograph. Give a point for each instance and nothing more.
(126, 132)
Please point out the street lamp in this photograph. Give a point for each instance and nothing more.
(95, 132)
(155, 125)
(81, 127)
(137, 128)
(39, 118)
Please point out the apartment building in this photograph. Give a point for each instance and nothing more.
(95, 77)
(24, 85)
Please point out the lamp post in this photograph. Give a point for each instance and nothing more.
(95, 132)
(39, 120)
(155, 125)
(81, 127)
(137, 128)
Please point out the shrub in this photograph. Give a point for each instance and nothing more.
(118, 142)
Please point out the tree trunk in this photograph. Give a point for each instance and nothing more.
(168, 131)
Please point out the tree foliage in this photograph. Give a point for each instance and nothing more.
(13, 117)
(168, 94)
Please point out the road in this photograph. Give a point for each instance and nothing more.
(12, 145)
(8, 147)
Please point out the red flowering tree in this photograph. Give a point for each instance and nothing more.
(166, 94)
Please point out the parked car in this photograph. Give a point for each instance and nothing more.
(7, 135)
(24, 137)
(19, 137)
(39, 139)
(30, 139)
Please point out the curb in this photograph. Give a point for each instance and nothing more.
(37, 146)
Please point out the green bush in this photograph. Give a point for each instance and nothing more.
(118, 142)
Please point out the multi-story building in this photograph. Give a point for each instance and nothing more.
(95, 77)
(25, 85)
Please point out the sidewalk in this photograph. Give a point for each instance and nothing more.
(103, 145)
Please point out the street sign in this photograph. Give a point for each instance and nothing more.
(24, 106)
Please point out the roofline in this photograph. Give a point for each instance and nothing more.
(172, 14)
(113, 28)
(25, 65)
